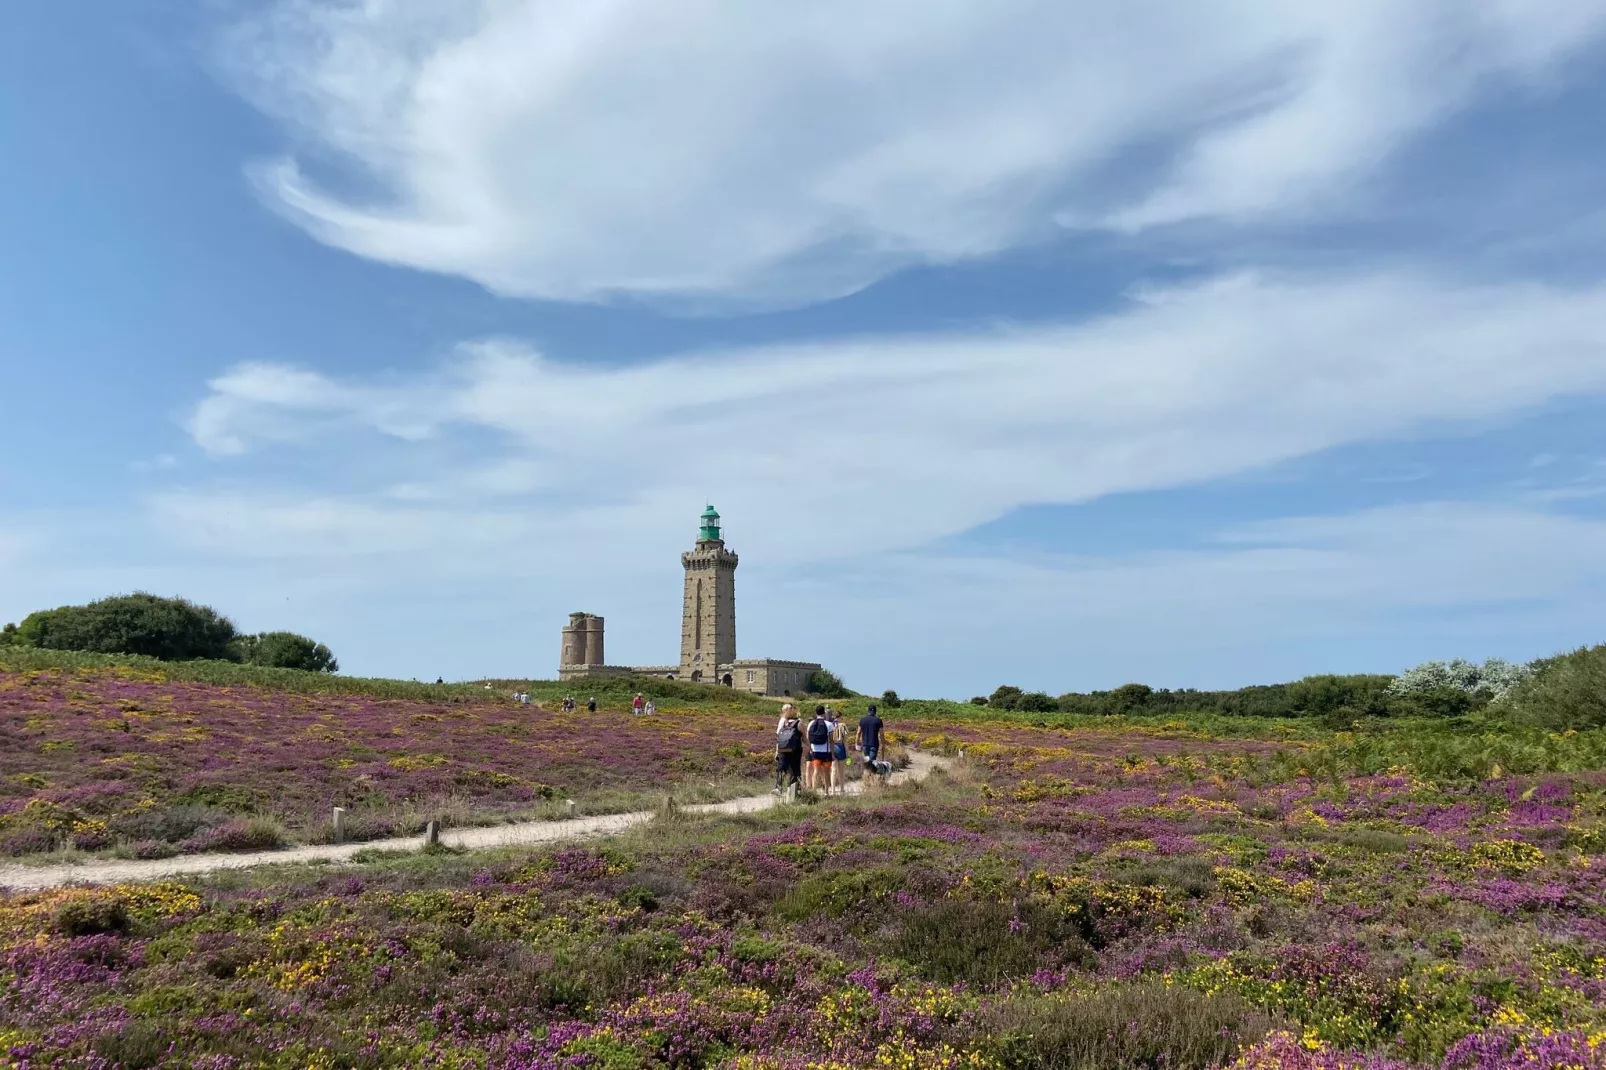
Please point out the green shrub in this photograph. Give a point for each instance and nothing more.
(1191, 877)
(1004, 697)
(133, 1046)
(172, 629)
(827, 684)
(85, 915)
(890, 700)
(1149, 1024)
(982, 943)
(285, 650)
(1568, 692)
(167, 824)
(241, 834)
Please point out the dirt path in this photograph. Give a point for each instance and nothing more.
(22, 877)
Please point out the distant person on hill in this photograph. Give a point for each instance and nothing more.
(788, 749)
(839, 754)
(568, 704)
(869, 738)
(819, 734)
(650, 708)
(591, 705)
(636, 704)
(439, 680)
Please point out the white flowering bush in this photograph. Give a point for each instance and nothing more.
(1493, 678)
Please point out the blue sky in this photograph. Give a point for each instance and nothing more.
(1053, 344)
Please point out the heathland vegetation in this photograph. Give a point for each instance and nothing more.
(1360, 881)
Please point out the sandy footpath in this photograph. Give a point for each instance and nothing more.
(23, 877)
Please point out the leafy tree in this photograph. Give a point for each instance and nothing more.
(978, 700)
(890, 700)
(285, 650)
(8, 635)
(1129, 698)
(1492, 679)
(827, 684)
(1566, 692)
(1036, 702)
(1005, 698)
(174, 629)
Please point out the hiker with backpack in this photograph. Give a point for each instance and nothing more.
(819, 735)
(788, 749)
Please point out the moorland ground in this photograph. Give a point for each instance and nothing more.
(133, 760)
(1079, 892)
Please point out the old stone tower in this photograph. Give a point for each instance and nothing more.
(708, 607)
(582, 641)
(707, 632)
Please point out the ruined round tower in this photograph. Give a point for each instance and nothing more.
(708, 610)
(582, 642)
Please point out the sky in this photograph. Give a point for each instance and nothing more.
(1060, 344)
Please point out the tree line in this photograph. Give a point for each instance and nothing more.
(172, 629)
(1567, 691)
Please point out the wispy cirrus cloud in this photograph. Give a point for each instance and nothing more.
(576, 150)
(928, 435)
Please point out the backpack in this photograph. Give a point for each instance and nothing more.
(819, 733)
(789, 738)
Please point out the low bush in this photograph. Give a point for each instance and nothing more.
(133, 1046)
(1139, 1025)
(27, 840)
(91, 913)
(974, 942)
(168, 824)
(240, 834)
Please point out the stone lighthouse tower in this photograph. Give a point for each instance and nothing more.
(708, 618)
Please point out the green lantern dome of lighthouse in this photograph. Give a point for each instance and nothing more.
(710, 528)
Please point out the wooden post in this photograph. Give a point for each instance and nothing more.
(340, 824)
(432, 834)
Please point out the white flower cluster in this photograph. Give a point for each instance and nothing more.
(1494, 677)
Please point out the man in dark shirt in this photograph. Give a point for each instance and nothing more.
(869, 738)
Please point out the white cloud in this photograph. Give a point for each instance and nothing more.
(762, 153)
(854, 446)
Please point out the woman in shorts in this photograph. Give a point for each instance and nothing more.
(839, 754)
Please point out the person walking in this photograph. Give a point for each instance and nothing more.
(869, 739)
(591, 705)
(636, 704)
(839, 754)
(819, 734)
(649, 709)
(788, 749)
